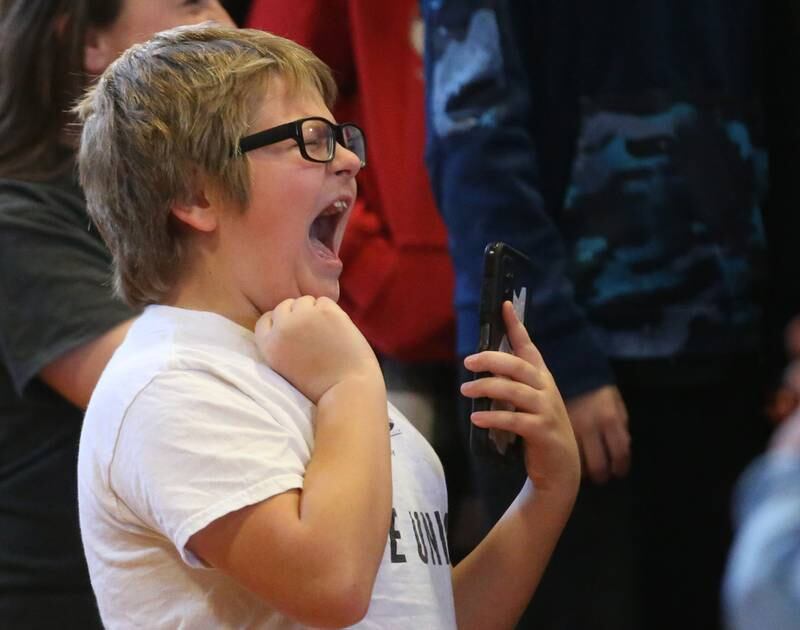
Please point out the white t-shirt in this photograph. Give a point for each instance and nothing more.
(188, 424)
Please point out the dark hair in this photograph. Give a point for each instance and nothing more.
(41, 75)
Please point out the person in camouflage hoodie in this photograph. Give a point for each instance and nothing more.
(621, 147)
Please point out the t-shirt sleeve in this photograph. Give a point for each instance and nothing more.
(193, 448)
(55, 287)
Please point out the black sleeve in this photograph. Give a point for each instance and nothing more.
(55, 289)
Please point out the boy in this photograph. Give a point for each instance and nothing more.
(239, 464)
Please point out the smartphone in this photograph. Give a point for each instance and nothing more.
(506, 276)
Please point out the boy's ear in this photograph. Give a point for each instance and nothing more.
(197, 213)
(98, 52)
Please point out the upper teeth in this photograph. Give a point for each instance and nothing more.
(340, 204)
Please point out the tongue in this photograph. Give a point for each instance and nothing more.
(320, 234)
(320, 248)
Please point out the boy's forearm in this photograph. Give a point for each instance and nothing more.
(313, 554)
(347, 492)
(493, 584)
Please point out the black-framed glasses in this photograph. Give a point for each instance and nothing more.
(316, 137)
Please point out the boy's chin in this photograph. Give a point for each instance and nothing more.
(332, 293)
(328, 289)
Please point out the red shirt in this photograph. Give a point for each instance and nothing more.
(397, 283)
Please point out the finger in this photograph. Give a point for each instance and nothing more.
(518, 337)
(327, 302)
(503, 419)
(264, 325)
(327, 305)
(617, 441)
(582, 455)
(304, 302)
(520, 395)
(595, 456)
(282, 310)
(504, 364)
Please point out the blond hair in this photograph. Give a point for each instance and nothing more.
(167, 114)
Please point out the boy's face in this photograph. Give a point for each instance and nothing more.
(139, 20)
(280, 247)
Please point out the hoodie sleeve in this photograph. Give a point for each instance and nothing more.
(485, 173)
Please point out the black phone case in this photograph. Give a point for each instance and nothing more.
(506, 276)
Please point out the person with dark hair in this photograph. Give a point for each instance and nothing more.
(59, 323)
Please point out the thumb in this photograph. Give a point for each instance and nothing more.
(263, 325)
(519, 339)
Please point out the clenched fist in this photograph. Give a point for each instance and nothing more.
(314, 345)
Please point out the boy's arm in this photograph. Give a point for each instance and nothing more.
(493, 585)
(314, 554)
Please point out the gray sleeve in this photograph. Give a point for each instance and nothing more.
(55, 289)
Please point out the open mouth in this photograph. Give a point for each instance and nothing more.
(324, 233)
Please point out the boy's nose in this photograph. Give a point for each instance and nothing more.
(345, 161)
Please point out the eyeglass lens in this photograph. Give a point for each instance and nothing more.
(354, 140)
(319, 140)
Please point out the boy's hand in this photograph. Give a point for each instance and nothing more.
(539, 415)
(312, 343)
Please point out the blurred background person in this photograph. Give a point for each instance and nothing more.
(762, 582)
(782, 219)
(621, 146)
(58, 321)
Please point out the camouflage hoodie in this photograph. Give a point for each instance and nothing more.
(619, 145)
